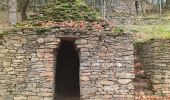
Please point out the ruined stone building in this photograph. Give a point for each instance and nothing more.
(62, 65)
(59, 65)
(155, 58)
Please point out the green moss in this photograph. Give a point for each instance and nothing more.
(118, 30)
(2, 34)
(138, 43)
(147, 32)
(162, 48)
(40, 31)
(134, 30)
(59, 11)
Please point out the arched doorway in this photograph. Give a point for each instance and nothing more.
(67, 72)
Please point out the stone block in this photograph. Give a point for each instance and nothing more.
(20, 98)
(88, 91)
(34, 98)
(40, 40)
(106, 82)
(48, 98)
(6, 97)
(124, 81)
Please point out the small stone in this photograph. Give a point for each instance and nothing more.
(51, 46)
(84, 78)
(48, 55)
(6, 97)
(107, 96)
(34, 98)
(20, 98)
(83, 41)
(85, 46)
(40, 40)
(124, 81)
(118, 64)
(34, 59)
(23, 40)
(40, 55)
(45, 94)
(20, 57)
(88, 91)
(18, 61)
(6, 63)
(3, 51)
(106, 82)
(47, 74)
(124, 75)
(7, 69)
(108, 88)
(48, 98)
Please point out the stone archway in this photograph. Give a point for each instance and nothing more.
(67, 85)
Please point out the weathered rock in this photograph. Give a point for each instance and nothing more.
(124, 81)
(6, 63)
(40, 40)
(34, 98)
(6, 97)
(20, 98)
(106, 83)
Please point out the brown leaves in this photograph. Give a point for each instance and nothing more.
(78, 25)
(143, 96)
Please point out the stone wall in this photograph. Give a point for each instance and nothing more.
(155, 57)
(27, 65)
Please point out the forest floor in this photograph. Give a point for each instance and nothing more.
(155, 29)
(145, 32)
(3, 21)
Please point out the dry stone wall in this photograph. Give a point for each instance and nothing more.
(27, 65)
(155, 58)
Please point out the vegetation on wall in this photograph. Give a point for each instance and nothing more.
(66, 11)
(73, 15)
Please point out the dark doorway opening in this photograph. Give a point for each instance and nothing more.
(67, 72)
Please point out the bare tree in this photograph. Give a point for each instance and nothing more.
(3, 4)
(160, 8)
(103, 8)
(23, 6)
(12, 12)
(167, 4)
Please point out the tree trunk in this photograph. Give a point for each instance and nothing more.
(142, 9)
(23, 9)
(160, 7)
(23, 15)
(104, 9)
(137, 7)
(167, 3)
(12, 12)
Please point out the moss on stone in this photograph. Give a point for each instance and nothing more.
(74, 16)
(2, 34)
(66, 11)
